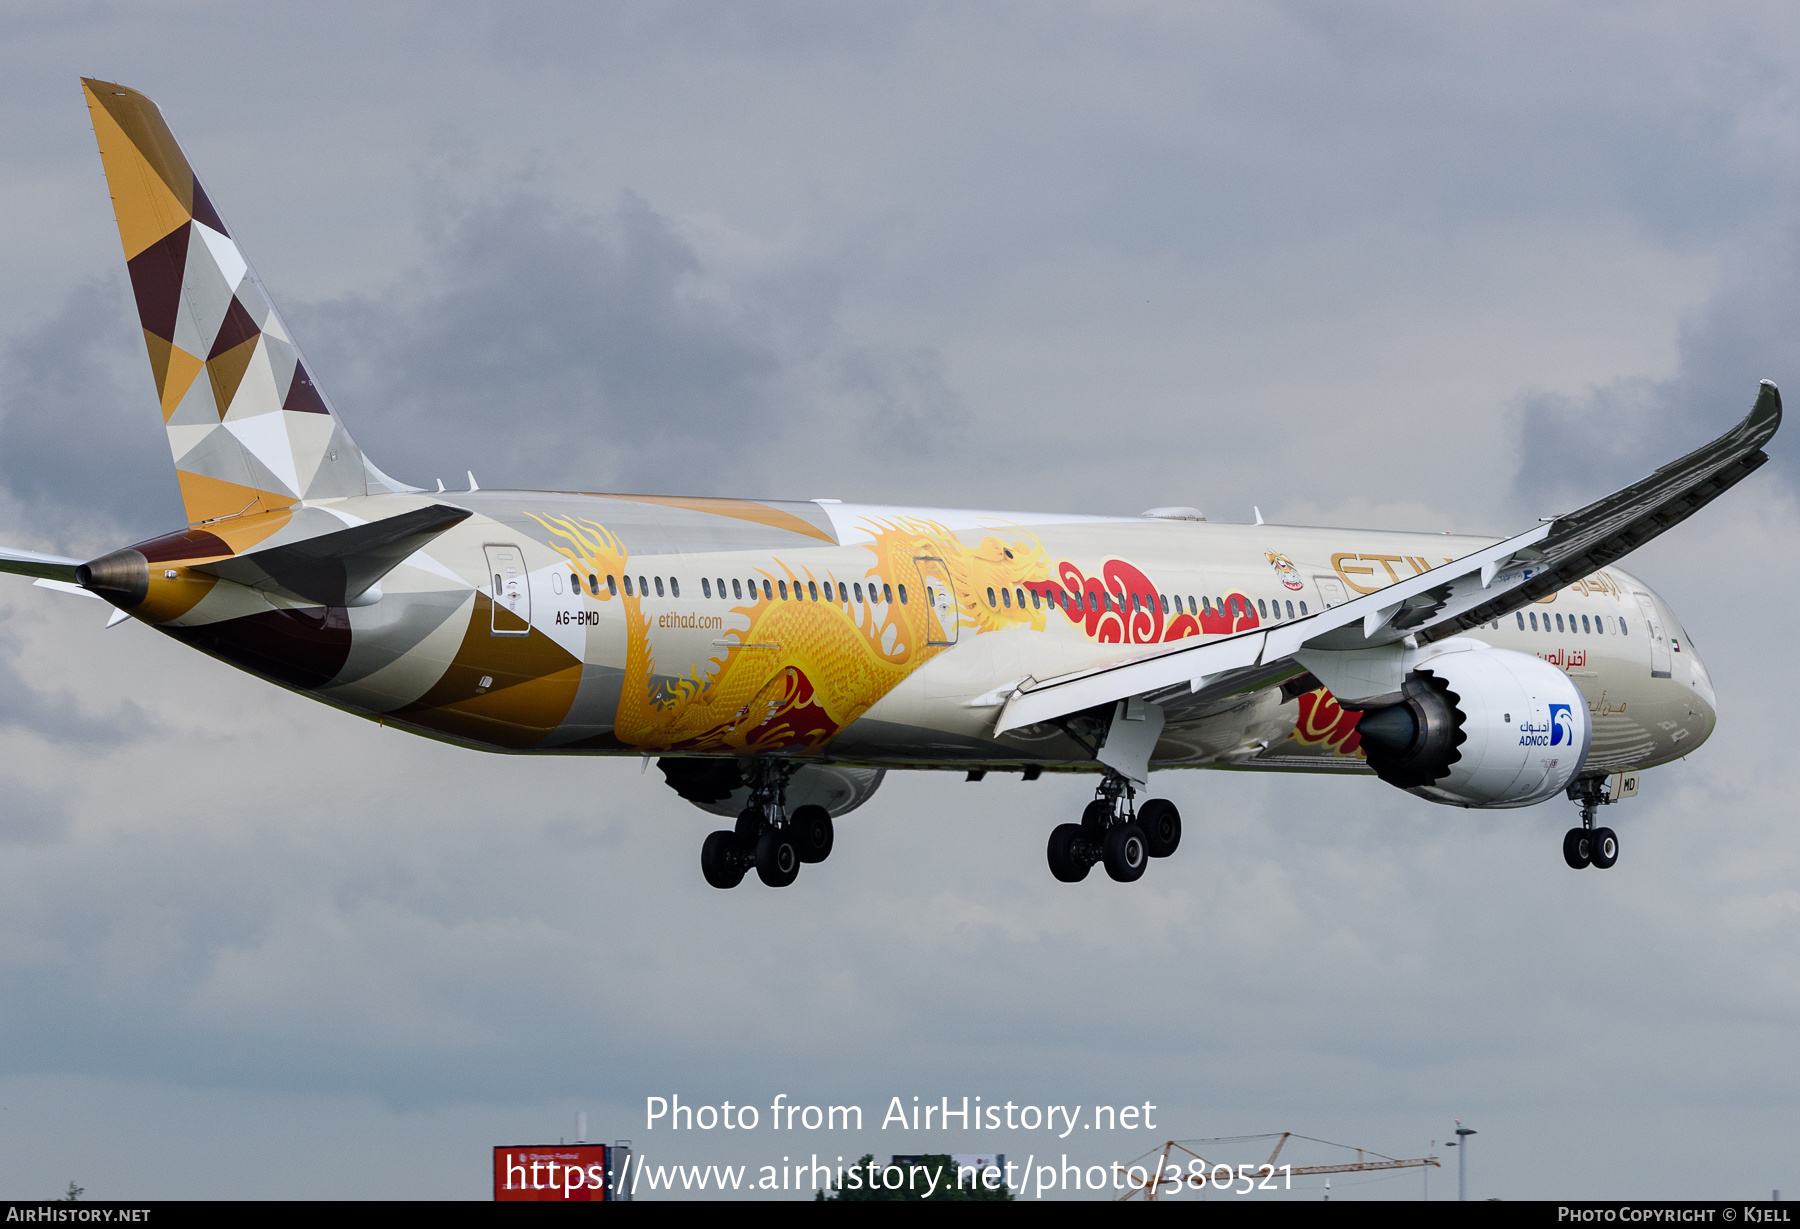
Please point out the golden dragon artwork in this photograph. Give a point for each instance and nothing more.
(801, 669)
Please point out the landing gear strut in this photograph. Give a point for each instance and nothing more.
(1588, 845)
(1114, 833)
(766, 837)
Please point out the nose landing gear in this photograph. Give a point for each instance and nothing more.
(1588, 845)
(1114, 834)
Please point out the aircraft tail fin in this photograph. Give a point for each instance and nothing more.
(249, 427)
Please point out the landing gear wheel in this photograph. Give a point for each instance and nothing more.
(1097, 818)
(1161, 823)
(749, 825)
(1603, 847)
(722, 860)
(1576, 844)
(1126, 852)
(1068, 853)
(813, 833)
(777, 859)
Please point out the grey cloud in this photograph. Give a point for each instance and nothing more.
(79, 428)
(547, 348)
(1573, 448)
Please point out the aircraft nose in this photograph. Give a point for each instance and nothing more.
(1701, 697)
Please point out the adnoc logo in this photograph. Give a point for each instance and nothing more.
(1562, 725)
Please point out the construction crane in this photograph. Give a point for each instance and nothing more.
(1141, 1181)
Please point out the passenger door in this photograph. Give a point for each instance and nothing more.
(941, 613)
(509, 587)
(1659, 644)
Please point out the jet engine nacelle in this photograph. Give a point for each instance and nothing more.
(717, 785)
(1480, 727)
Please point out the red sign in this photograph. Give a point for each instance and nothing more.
(551, 1171)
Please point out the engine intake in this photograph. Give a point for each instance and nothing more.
(1480, 727)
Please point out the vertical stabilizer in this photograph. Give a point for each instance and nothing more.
(250, 429)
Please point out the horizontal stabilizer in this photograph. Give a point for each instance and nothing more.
(31, 563)
(335, 569)
(63, 586)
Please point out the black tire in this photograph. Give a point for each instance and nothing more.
(1603, 847)
(1126, 852)
(777, 857)
(1575, 848)
(749, 826)
(722, 860)
(1097, 818)
(1161, 823)
(1068, 853)
(813, 833)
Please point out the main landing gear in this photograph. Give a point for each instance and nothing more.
(766, 836)
(1588, 845)
(1113, 833)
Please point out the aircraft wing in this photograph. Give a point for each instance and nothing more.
(1455, 597)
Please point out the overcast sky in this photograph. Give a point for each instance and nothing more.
(1406, 266)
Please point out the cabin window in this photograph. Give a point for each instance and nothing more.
(721, 588)
(1262, 608)
(1623, 629)
(706, 587)
(812, 588)
(859, 596)
(1302, 610)
(1534, 620)
(674, 586)
(1290, 610)
(737, 590)
(902, 594)
(594, 585)
(556, 582)
(659, 587)
(992, 600)
(1584, 624)
(887, 594)
(628, 592)
(1037, 601)
(612, 587)
(643, 587)
(782, 585)
(1521, 615)
(1005, 598)
(1559, 623)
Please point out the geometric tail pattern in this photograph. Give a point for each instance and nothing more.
(249, 429)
